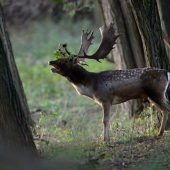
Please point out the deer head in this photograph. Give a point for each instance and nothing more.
(108, 40)
(63, 65)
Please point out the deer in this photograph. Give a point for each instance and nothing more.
(113, 87)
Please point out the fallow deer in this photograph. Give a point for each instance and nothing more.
(113, 86)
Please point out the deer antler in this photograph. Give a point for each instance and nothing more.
(85, 43)
(106, 45)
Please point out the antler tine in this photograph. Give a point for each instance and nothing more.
(88, 32)
(106, 45)
(91, 36)
(85, 42)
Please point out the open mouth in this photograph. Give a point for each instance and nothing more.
(55, 69)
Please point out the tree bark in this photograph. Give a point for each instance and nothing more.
(12, 65)
(14, 129)
(164, 11)
(148, 21)
(128, 53)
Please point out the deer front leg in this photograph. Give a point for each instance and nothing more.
(106, 120)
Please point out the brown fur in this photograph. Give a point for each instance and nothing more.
(116, 86)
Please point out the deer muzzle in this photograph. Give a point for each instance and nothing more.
(56, 69)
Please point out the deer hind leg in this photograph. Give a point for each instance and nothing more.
(106, 120)
(164, 106)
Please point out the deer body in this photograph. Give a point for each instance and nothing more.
(114, 86)
(117, 86)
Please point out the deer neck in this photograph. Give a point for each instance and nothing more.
(77, 75)
(80, 79)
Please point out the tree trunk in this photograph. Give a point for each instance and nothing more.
(12, 65)
(148, 21)
(164, 11)
(14, 130)
(128, 53)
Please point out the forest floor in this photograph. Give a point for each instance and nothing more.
(146, 152)
(143, 152)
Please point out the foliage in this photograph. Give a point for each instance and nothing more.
(58, 54)
(77, 5)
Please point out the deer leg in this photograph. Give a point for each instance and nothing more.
(164, 107)
(163, 123)
(165, 113)
(106, 119)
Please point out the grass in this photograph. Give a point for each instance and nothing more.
(68, 124)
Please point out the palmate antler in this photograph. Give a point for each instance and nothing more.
(106, 45)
